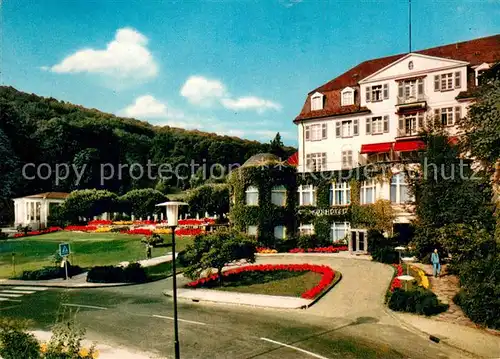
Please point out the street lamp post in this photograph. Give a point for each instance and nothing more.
(172, 219)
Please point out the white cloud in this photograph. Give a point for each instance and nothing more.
(148, 107)
(250, 103)
(126, 57)
(202, 91)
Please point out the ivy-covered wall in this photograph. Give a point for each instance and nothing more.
(266, 215)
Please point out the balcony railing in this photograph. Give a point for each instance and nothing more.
(406, 132)
(405, 100)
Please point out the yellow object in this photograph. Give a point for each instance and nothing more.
(43, 348)
(424, 281)
(103, 230)
(162, 231)
(123, 223)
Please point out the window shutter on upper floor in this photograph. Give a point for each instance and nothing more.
(400, 89)
(355, 127)
(458, 113)
(324, 132)
(420, 86)
(368, 125)
(368, 94)
(401, 123)
(386, 123)
(437, 83)
(337, 129)
(458, 82)
(308, 133)
(386, 91)
(420, 120)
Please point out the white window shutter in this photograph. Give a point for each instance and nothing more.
(400, 89)
(368, 93)
(420, 86)
(437, 83)
(324, 133)
(458, 82)
(401, 123)
(420, 120)
(386, 123)
(308, 133)
(337, 129)
(437, 114)
(458, 114)
(368, 125)
(386, 91)
(355, 127)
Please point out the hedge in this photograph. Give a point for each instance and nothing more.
(51, 273)
(418, 300)
(133, 273)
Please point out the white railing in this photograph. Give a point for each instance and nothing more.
(411, 99)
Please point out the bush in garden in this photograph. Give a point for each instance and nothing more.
(51, 273)
(65, 343)
(153, 240)
(142, 202)
(417, 300)
(15, 343)
(382, 248)
(216, 250)
(3, 235)
(133, 273)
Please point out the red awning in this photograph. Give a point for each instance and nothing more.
(377, 147)
(293, 160)
(405, 146)
(453, 140)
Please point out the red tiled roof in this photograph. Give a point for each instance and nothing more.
(486, 49)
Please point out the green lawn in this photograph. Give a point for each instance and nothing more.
(161, 271)
(283, 283)
(88, 249)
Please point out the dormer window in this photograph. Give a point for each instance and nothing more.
(317, 101)
(347, 96)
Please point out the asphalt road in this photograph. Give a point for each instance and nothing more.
(139, 317)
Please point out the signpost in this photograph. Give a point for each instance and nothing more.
(65, 251)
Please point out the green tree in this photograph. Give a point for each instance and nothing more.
(142, 202)
(88, 203)
(211, 198)
(276, 147)
(217, 250)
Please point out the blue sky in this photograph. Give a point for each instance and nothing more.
(233, 67)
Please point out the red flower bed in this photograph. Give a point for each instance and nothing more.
(329, 249)
(81, 228)
(396, 283)
(327, 273)
(100, 222)
(36, 233)
(140, 231)
(145, 222)
(196, 222)
(188, 231)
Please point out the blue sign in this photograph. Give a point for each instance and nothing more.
(64, 249)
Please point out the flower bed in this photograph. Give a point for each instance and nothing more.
(327, 273)
(264, 250)
(37, 233)
(396, 283)
(139, 231)
(163, 231)
(188, 231)
(103, 229)
(329, 249)
(100, 222)
(81, 228)
(196, 222)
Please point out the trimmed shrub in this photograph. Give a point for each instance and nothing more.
(16, 344)
(382, 248)
(51, 273)
(133, 273)
(3, 235)
(418, 300)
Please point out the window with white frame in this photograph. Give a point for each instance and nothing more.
(410, 90)
(340, 194)
(307, 195)
(306, 229)
(400, 192)
(347, 128)
(252, 230)
(448, 81)
(411, 124)
(339, 231)
(316, 161)
(378, 157)
(252, 196)
(347, 159)
(278, 196)
(377, 125)
(316, 132)
(448, 115)
(368, 191)
(347, 97)
(279, 232)
(376, 93)
(316, 102)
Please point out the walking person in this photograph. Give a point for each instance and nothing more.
(436, 265)
(148, 250)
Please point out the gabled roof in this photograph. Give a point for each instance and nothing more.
(475, 52)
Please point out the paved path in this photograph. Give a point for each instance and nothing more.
(153, 261)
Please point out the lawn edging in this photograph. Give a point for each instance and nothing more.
(336, 280)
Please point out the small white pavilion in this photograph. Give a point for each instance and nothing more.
(34, 210)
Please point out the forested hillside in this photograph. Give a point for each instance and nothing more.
(39, 130)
